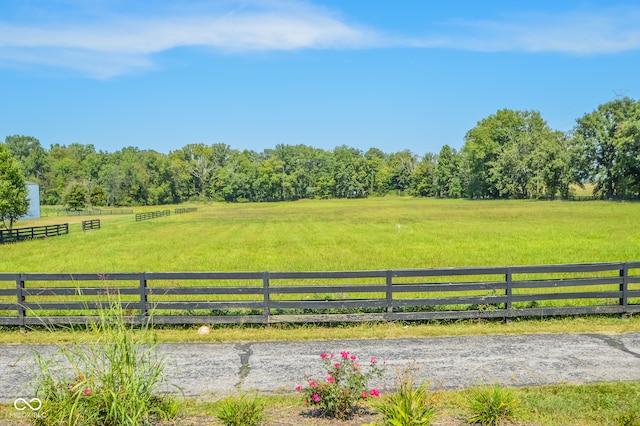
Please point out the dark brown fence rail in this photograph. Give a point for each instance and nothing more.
(152, 215)
(292, 297)
(21, 234)
(96, 212)
(88, 225)
(185, 210)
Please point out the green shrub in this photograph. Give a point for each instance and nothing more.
(491, 404)
(112, 381)
(409, 405)
(241, 410)
(344, 385)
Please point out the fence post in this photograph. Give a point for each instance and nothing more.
(624, 288)
(389, 291)
(266, 312)
(509, 294)
(143, 298)
(20, 300)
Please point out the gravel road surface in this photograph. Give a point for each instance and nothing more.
(208, 370)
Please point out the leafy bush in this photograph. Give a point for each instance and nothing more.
(241, 410)
(344, 385)
(112, 381)
(409, 405)
(491, 404)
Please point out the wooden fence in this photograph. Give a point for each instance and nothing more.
(96, 212)
(185, 210)
(293, 297)
(21, 234)
(88, 225)
(152, 215)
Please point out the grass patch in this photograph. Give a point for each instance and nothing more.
(310, 235)
(392, 330)
(550, 405)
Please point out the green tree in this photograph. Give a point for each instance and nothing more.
(13, 189)
(515, 154)
(607, 141)
(401, 165)
(349, 172)
(424, 176)
(76, 197)
(448, 182)
(483, 145)
(30, 154)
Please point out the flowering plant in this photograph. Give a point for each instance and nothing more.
(345, 383)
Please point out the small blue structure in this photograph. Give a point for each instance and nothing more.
(34, 201)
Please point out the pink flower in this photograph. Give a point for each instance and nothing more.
(312, 384)
(373, 360)
(336, 365)
(87, 391)
(298, 388)
(374, 392)
(323, 356)
(353, 357)
(344, 354)
(364, 394)
(306, 401)
(315, 397)
(330, 379)
(330, 355)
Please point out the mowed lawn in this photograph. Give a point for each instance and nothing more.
(328, 235)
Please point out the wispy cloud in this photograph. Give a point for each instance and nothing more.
(121, 44)
(113, 44)
(605, 31)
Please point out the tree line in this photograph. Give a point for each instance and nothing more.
(510, 154)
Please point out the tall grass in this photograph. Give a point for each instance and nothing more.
(112, 379)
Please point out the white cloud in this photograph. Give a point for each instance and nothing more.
(611, 30)
(106, 44)
(119, 45)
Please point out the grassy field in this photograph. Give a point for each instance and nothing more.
(377, 233)
(325, 235)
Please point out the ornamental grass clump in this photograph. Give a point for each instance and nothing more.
(491, 405)
(112, 381)
(345, 383)
(241, 410)
(411, 404)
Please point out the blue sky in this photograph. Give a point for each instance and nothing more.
(409, 74)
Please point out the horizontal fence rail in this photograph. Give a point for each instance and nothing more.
(96, 212)
(185, 210)
(88, 225)
(21, 234)
(351, 296)
(152, 215)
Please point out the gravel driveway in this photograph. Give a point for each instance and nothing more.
(209, 370)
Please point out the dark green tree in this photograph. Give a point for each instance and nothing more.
(424, 176)
(607, 139)
(13, 189)
(76, 197)
(448, 182)
(30, 154)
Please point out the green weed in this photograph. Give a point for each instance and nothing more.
(490, 405)
(411, 404)
(241, 410)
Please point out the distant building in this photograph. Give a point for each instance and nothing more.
(34, 201)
